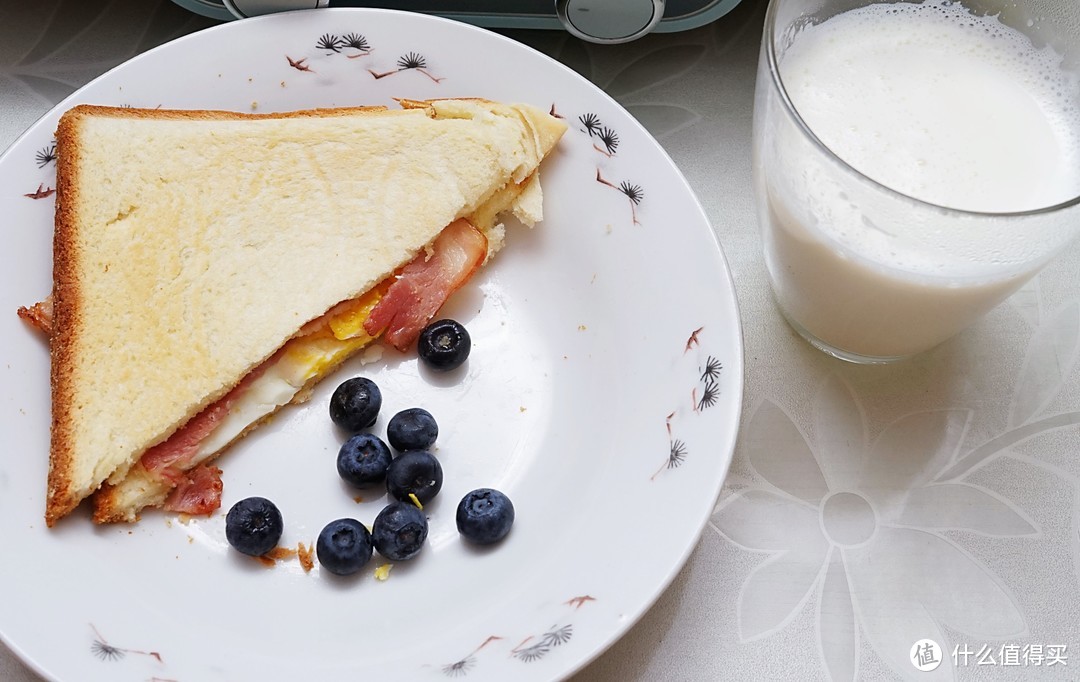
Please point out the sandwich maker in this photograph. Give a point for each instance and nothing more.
(597, 21)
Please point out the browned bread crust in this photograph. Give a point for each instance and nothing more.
(66, 313)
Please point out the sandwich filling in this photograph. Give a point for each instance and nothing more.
(397, 309)
(178, 470)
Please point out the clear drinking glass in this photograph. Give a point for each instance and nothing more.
(862, 270)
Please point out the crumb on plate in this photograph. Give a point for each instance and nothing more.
(306, 555)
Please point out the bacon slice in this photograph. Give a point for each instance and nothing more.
(425, 283)
(198, 493)
(171, 457)
(39, 315)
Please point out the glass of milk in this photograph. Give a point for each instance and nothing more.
(914, 163)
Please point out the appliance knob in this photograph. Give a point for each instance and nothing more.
(609, 21)
(243, 9)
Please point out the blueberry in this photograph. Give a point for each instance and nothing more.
(484, 516)
(416, 472)
(355, 404)
(399, 531)
(344, 546)
(363, 459)
(253, 526)
(444, 344)
(412, 429)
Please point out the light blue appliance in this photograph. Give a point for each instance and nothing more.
(598, 21)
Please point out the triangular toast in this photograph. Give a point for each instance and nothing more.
(191, 245)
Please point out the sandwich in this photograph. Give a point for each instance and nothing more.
(210, 267)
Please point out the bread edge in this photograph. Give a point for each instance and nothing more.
(60, 498)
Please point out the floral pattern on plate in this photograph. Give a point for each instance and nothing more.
(556, 344)
(605, 141)
(530, 649)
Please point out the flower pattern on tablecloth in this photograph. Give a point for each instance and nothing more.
(861, 527)
(862, 524)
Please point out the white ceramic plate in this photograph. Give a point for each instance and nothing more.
(602, 395)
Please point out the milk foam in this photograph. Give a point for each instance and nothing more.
(953, 109)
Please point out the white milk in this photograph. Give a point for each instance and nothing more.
(955, 110)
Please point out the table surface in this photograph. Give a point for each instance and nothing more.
(866, 507)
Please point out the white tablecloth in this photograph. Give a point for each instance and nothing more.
(867, 508)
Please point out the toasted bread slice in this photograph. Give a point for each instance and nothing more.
(191, 245)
